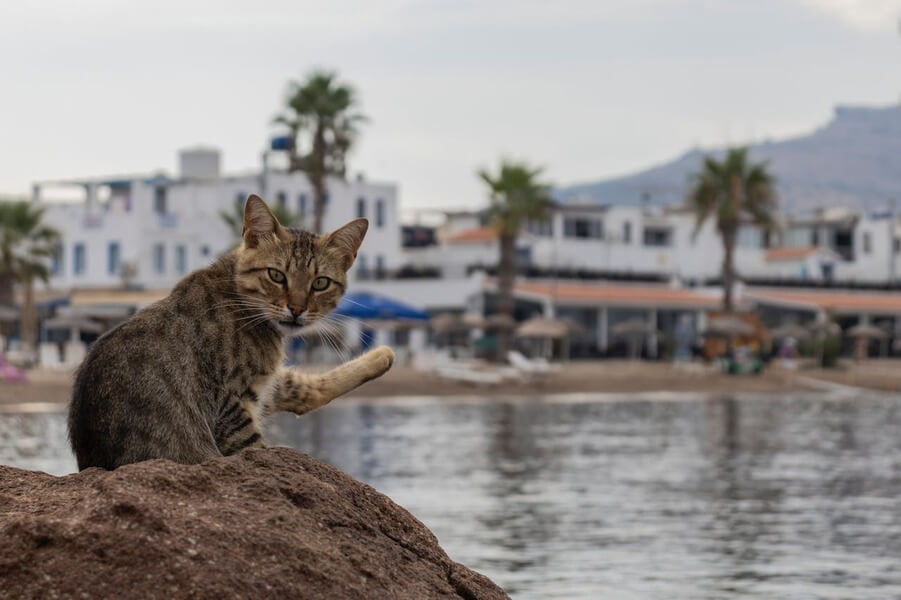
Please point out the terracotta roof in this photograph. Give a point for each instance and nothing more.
(880, 302)
(619, 295)
(788, 253)
(469, 236)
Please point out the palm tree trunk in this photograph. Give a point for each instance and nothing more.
(506, 273)
(728, 269)
(317, 178)
(7, 297)
(28, 321)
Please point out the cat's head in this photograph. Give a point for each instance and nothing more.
(290, 276)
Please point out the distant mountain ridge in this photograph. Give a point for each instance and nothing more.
(854, 160)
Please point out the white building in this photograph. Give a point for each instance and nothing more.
(626, 242)
(161, 227)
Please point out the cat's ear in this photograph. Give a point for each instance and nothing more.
(346, 240)
(259, 221)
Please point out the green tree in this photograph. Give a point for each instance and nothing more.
(26, 245)
(733, 192)
(516, 196)
(234, 219)
(326, 110)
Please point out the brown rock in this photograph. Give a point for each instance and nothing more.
(265, 524)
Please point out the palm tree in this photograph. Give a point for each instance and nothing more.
(733, 191)
(326, 109)
(26, 244)
(516, 196)
(234, 219)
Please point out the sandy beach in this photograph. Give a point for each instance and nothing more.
(54, 387)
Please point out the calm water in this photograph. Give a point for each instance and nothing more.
(758, 498)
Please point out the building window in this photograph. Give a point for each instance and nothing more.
(204, 250)
(362, 267)
(113, 258)
(867, 242)
(78, 259)
(281, 200)
(361, 208)
(379, 213)
(325, 197)
(56, 260)
(302, 205)
(181, 260)
(627, 232)
(897, 245)
(574, 227)
(380, 265)
(240, 198)
(159, 200)
(540, 228)
(658, 236)
(159, 258)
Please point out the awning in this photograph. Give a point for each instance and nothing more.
(368, 306)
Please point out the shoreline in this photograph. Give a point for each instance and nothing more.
(577, 381)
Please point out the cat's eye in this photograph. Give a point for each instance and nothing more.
(321, 283)
(276, 276)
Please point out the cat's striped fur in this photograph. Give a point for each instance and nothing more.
(194, 375)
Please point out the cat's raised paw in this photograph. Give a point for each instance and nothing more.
(380, 360)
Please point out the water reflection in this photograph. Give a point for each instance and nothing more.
(763, 498)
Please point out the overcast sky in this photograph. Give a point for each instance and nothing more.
(586, 88)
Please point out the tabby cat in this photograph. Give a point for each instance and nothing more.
(193, 376)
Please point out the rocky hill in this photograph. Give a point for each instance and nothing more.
(265, 524)
(855, 160)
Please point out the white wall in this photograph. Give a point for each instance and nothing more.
(192, 220)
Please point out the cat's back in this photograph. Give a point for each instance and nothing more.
(142, 377)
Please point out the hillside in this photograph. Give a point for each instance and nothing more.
(853, 160)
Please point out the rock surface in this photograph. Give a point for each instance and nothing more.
(266, 524)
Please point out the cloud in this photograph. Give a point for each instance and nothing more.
(872, 15)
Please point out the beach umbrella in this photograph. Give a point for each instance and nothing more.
(544, 327)
(499, 321)
(634, 326)
(730, 326)
(446, 323)
(473, 321)
(790, 330)
(635, 330)
(824, 328)
(865, 330)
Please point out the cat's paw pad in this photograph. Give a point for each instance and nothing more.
(381, 359)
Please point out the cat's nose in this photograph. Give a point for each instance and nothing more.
(296, 309)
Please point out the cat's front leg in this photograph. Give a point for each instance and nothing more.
(300, 393)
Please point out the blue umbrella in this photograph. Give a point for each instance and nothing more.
(366, 305)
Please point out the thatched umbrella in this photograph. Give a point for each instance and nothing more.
(867, 331)
(546, 329)
(824, 328)
(790, 330)
(543, 327)
(499, 321)
(446, 323)
(862, 335)
(473, 321)
(635, 330)
(729, 326)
